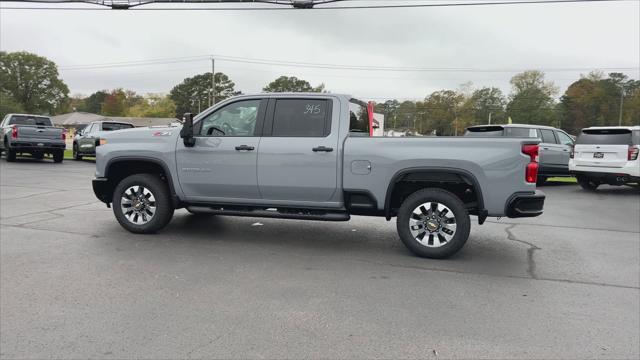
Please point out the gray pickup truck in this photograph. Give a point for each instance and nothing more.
(31, 134)
(310, 157)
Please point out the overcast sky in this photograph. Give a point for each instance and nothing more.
(583, 35)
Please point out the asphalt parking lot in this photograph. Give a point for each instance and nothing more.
(74, 284)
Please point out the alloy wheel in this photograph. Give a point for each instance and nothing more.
(138, 204)
(432, 224)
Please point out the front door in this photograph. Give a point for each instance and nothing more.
(298, 155)
(222, 164)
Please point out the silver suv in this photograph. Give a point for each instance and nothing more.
(555, 146)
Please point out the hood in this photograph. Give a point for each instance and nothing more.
(141, 135)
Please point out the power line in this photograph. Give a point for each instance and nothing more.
(296, 5)
(283, 63)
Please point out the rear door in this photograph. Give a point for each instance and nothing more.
(566, 143)
(550, 152)
(298, 156)
(607, 148)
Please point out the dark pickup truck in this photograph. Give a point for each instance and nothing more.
(32, 134)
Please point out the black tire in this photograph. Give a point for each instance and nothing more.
(76, 156)
(541, 180)
(460, 213)
(11, 155)
(587, 183)
(58, 156)
(164, 207)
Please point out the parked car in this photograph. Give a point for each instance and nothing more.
(86, 140)
(606, 155)
(310, 157)
(555, 146)
(31, 134)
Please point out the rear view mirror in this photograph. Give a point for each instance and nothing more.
(187, 130)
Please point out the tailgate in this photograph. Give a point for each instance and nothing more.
(39, 133)
(610, 156)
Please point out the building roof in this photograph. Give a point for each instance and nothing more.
(84, 118)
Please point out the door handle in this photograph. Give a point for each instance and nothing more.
(545, 148)
(245, 148)
(322, 149)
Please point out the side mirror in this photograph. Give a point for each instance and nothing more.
(187, 130)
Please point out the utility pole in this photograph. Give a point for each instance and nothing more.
(621, 102)
(213, 81)
(489, 118)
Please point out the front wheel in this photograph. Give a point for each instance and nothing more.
(587, 183)
(141, 204)
(11, 155)
(76, 155)
(433, 223)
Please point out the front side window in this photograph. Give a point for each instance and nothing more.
(564, 138)
(301, 118)
(236, 119)
(358, 117)
(547, 136)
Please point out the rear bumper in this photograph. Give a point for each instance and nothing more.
(525, 204)
(35, 145)
(102, 189)
(609, 178)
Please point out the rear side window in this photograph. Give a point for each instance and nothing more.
(605, 137)
(520, 132)
(636, 137)
(115, 126)
(358, 117)
(564, 138)
(484, 131)
(29, 120)
(547, 136)
(301, 118)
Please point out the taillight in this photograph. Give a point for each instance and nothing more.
(531, 173)
(64, 134)
(632, 154)
(572, 153)
(14, 132)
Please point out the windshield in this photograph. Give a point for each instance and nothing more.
(29, 120)
(605, 137)
(115, 126)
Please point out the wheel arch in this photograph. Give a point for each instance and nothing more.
(120, 167)
(435, 177)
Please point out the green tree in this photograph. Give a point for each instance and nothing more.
(8, 104)
(484, 102)
(532, 99)
(93, 103)
(442, 110)
(291, 84)
(193, 94)
(115, 103)
(32, 81)
(153, 106)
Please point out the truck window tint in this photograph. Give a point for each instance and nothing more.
(358, 117)
(115, 126)
(547, 136)
(520, 132)
(564, 138)
(491, 133)
(29, 120)
(300, 117)
(605, 137)
(236, 119)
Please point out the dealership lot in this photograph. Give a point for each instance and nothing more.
(74, 284)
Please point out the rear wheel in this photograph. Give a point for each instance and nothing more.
(141, 204)
(58, 156)
(587, 183)
(433, 223)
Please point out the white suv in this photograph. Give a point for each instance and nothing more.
(606, 155)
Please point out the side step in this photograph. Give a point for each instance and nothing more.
(280, 213)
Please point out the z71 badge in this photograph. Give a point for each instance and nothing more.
(162, 133)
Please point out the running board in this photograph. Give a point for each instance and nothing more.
(280, 213)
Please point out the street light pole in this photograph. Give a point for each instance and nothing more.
(213, 81)
(621, 103)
